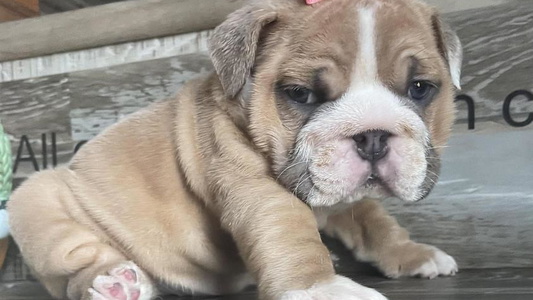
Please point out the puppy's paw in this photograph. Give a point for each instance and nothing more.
(439, 264)
(341, 288)
(125, 282)
(417, 260)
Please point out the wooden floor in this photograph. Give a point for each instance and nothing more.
(486, 284)
(490, 284)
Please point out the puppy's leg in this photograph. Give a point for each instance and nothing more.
(277, 236)
(66, 256)
(279, 241)
(375, 236)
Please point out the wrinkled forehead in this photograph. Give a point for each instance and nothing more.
(339, 33)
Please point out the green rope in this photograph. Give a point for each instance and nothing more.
(6, 168)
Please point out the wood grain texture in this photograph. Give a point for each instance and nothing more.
(109, 24)
(446, 6)
(105, 57)
(56, 6)
(492, 284)
(498, 46)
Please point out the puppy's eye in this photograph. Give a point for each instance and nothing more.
(300, 94)
(421, 90)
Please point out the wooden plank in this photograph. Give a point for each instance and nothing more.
(107, 56)
(11, 10)
(446, 6)
(56, 6)
(109, 24)
(4, 245)
(495, 284)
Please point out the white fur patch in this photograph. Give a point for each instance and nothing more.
(367, 62)
(441, 264)
(341, 288)
(406, 157)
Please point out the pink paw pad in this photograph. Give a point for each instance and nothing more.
(127, 274)
(123, 283)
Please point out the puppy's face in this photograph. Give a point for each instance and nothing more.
(351, 98)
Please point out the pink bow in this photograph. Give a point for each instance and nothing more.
(309, 2)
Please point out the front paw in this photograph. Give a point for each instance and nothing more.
(417, 260)
(340, 288)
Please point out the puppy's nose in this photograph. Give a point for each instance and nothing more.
(372, 145)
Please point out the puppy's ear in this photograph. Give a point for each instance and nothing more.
(233, 46)
(449, 46)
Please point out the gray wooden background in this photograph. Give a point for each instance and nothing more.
(482, 210)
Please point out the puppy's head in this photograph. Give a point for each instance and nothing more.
(348, 98)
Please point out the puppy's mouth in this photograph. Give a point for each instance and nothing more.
(373, 185)
(372, 181)
(375, 182)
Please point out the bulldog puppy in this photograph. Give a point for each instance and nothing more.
(312, 112)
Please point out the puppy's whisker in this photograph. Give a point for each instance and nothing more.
(432, 180)
(420, 51)
(433, 173)
(289, 167)
(426, 58)
(438, 147)
(292, 202)
(300, 183)
(311, 190)
(301, 180)
(430, 171)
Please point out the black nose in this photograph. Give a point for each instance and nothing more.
(372, 145)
